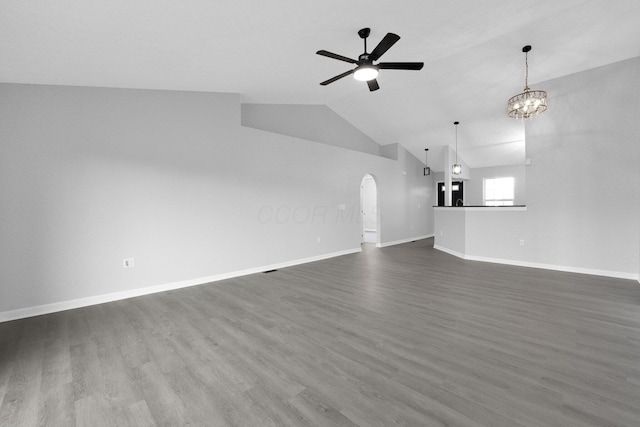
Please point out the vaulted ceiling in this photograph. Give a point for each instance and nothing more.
(265, 50)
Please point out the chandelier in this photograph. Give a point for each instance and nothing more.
(529, 103)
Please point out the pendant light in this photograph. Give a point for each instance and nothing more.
(529, 103)
(457, 167)
(427, 169)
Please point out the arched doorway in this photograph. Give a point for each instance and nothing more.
(369, 210)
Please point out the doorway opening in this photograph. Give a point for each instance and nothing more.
(457, 193)
(369, 210)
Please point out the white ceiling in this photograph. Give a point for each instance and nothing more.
(265, 50)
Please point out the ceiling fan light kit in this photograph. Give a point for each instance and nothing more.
(366, 70)
(364, 73)
(529, 103)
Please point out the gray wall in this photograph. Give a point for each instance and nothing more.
(90, 176)
(316, 123)
(583, 184)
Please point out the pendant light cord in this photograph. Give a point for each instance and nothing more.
(456, 144)
(526, 67)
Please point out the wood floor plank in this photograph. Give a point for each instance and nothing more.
(56, 364)
(165, 405)
(318, 411)
(141, 415)
(85, 370)
(22, 396)
(90, 411)
(55, 408)
(404, 335)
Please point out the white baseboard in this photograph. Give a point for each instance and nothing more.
(22, 313)
(568, 269)
(399, 242)
(449, 251)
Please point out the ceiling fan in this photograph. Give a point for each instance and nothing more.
(366, 70)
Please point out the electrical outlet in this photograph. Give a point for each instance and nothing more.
(521, 242)
(318, 239)
(342, 207)
(441, 233)
(127, 263)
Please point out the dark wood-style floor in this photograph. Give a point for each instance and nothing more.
(403, 335)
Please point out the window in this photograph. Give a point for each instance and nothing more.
(499, 191)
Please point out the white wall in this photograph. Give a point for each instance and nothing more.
(90, 176)
(474, 187)
(583, 184)
(479, 233)
(390, 151)
(494, 233)
(310, 122)
(450, 231)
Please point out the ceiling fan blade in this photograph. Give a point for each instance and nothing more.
(336, 56)
(401, 65)
(338, 77)
(373, 85)
(389, 40)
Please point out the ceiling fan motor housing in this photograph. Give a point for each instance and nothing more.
(364, 59)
